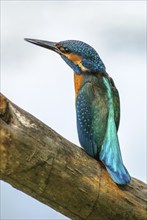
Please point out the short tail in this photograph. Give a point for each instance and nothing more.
(110, 155)
(119, 175)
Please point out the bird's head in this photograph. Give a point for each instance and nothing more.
(81, 57)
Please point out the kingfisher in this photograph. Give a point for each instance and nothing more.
(97, 104)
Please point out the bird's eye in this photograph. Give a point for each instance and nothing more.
(64, 50)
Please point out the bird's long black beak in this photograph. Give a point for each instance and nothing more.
(46, 44)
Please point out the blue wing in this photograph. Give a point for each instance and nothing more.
(91, 109)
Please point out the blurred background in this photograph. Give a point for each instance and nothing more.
(116, 29)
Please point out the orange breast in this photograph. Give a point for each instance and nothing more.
(78, 79)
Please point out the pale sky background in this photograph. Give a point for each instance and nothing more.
(31, 75)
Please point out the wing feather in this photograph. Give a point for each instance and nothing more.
(92, 113)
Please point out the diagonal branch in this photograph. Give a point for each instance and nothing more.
(43, 164)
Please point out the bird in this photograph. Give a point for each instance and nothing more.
(97, 104)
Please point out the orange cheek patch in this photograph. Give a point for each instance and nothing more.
(78, 79)
(74, 58)
(77, 60)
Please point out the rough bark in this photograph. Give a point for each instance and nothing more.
(41, 163)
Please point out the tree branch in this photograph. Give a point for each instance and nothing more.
(43, 164)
